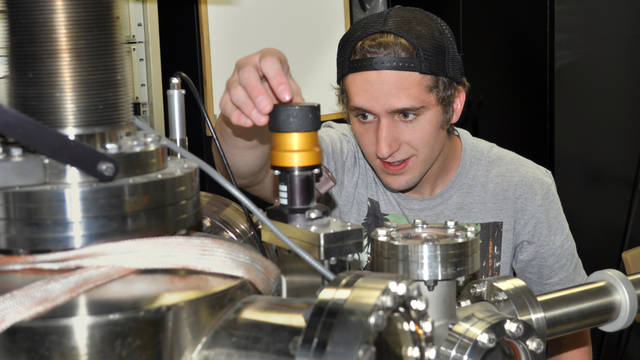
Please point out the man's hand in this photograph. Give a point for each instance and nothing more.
(258, 81)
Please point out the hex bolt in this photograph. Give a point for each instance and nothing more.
(333, 260)
(382, 232)
(487, 339)
(431, 352)
(418, 223)
(450, 224)
(513, 328)
(471, 231)
(316, 171)
(276, 172)
(112, 147)
(418, 305)
(106, 168)
(313, 214)
(478, 289)
(535, 344)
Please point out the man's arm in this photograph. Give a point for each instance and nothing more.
(570, 347)
(258, 81)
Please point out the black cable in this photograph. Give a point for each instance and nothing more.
(196, 95)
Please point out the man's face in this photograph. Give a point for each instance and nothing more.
(399, 127)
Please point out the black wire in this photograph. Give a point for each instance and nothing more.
(196, 95)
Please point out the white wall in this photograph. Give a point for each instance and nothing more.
(307, 31)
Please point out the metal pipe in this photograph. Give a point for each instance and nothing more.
(177, 118)
(578, 308)
(608, 300)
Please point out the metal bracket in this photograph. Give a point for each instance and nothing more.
(53, 144)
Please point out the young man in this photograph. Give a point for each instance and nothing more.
(401, 83)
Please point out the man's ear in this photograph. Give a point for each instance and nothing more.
(458, 104)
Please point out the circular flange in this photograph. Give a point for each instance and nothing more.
(64, 216)
(426, 251)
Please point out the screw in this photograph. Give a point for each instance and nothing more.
(276, 172)
(418, 223)
(316, 171)
(106, 168)
(513, 328)
(487, 339)
(535, 344)
(333, 260)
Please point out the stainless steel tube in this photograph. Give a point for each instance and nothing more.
(578, 308)
(177, 118)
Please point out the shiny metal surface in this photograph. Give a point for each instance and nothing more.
(67, 64)
(153, 315)
(176, 113)
(224, 217)
(352, 311)
(323, 237)
(60, 216)
(511, 296)
(258, 327)
(580, 307)
(426, 251)
(20, 169)
(484, 332)
(137, 154)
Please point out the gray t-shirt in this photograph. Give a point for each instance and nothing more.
(523, 229)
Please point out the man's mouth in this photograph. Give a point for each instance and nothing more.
(395, 166)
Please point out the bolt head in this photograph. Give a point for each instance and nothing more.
(535, 345)
(106, 168)
(112, 147)
(487, 339)
(450, 224)
(513, 328)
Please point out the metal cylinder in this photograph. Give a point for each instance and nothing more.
(176, 113)
(578, 308)
(67, 64)
(609, 300)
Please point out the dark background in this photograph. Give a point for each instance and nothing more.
(555, 81)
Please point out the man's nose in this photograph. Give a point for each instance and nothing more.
(386, 139)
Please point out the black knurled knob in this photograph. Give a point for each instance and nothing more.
(301, 117)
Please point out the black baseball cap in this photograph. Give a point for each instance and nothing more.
(430, 36)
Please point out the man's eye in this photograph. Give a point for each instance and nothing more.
(364, 116)
(407, 116)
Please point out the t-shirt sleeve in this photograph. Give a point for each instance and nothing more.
(545, 256)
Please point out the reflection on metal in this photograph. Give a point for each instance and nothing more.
(223, 217)
(427, 251)
(55, 217)
(67, 64)
(147, 316)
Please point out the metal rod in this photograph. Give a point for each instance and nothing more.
(578, 308)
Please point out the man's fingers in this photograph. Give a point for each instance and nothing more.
(235, 115)
(275, 69)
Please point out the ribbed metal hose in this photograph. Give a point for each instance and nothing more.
(67, 64)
